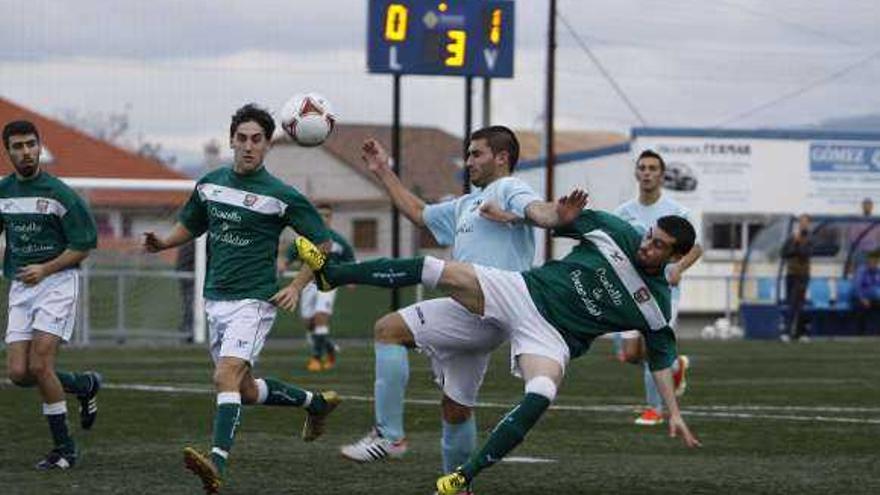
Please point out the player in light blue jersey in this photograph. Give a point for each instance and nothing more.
(439, 328)
(643, 213)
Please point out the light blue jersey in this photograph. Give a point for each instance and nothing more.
(643, 217)
(474, 239)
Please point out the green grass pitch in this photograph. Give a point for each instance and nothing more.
(773, 419)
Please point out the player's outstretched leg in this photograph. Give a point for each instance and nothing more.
(380, 272)
(507, 434)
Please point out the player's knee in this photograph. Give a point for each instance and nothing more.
(453, 412)
(391, 329)
(20, 376)
(543, 386)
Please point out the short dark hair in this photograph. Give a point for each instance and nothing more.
(17, 128)
(649, 153)
(680, 229)
(500, 139)
(252, 113)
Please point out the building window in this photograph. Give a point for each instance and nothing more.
(127, 222)
(365, 233)
(103, 224)
(727, 236)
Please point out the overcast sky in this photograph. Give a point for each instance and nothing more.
(182, 67)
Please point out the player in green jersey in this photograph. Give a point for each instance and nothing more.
(612, 280)
(243, 210)
(49, 232)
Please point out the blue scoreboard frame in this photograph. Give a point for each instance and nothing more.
(447, 38)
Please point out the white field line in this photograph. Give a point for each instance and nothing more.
(727, 411)
(733, 411)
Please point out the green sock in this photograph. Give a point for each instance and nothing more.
(285, 394)
(319, 342)
(74, 383)
(226, 420)
(508, 433)
(56, 415)
(380, 272)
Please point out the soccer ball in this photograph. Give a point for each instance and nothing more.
(308, 119)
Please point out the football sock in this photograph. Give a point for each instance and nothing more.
(279, 393)
(380, 272)
(329, 346)
(319, 343)
(508, 433)
(226, 420)
(74, 383)
(457, 442)
(56, 415)
(652, 395)
(392, 375)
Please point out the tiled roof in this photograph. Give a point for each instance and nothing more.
(76, 154)
(531, 145)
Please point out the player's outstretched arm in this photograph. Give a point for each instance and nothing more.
(376, 160)
(178, 235)
(677, 426)
(551, 215)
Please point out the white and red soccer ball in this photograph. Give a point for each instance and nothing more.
(308, 119)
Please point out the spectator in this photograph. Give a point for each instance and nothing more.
(796, 252)
(186, 263)
(863, 236)
(866, 290)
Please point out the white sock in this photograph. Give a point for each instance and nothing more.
(262, 391)
(431, 271)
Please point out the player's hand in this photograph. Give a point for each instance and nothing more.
(31, 274)
(374, 156)
(864, 302)
(569, 207)
(152, 243)
(286, 298)
(491, 211)
(677, 427)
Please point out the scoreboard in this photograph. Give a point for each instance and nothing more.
(451, 38)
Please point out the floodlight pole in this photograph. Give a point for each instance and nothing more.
(468, 118)
(396, 167)
(549, 154)
(487, 101)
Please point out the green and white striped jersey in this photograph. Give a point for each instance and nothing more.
(42, 217)
(244, 216)
(598, 288)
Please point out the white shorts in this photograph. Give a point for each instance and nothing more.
(49, 306)
(238, 328)
(457, 342)
(507, 302)
(313, 301)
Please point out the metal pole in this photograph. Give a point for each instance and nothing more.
(120, 309)
(468, 117)
(85, 327)
(548, 129)
(396, 167)
(487, 101)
